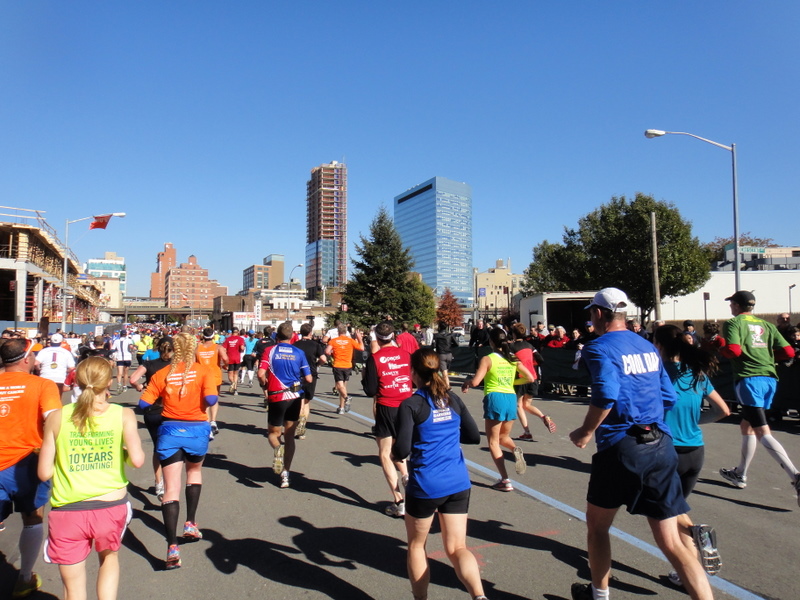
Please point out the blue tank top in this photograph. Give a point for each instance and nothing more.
(436, 464)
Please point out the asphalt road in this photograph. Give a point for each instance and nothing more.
(327, 536)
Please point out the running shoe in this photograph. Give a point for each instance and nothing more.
(582, 591)
(2, 526)
(549, 423)
(347, 404)
(214, 428)
(732, 477)
(705, 537)
(285, 480)
(191, 532)
(340, 411)
(503, 485)
(211, 435)
(23, 589)
(675, 579)
(301, 427)
(396, 509)
(277, 461)
(173, 558)
(235, 392)
(527, 436)
(519, 461)
(160, 490)
(124, 388)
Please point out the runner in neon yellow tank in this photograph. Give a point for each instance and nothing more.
(84, 449)
(498, 371)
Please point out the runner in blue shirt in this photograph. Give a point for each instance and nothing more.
(282, 370)
(635, 463)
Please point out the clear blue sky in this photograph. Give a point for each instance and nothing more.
(201, 120)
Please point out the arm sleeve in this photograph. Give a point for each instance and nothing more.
(408, 416)
(370, 380)
(469, 430)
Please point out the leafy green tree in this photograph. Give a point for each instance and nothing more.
(611, 247)
(449, 311)
(381, 284)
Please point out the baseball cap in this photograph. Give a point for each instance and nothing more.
(610, 298)
(56, 338)
(742, 298)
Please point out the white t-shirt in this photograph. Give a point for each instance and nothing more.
(53, 363)
(122, 349)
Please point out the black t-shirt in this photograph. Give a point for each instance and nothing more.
(443, 343)
(313, 350)
(262, 345)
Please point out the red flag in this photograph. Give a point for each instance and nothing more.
(100, 222)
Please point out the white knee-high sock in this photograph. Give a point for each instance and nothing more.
(30, 545)
(749, 445)
(775, 449)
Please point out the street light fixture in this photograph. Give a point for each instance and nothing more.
(791, 287)
(654, 133)
(66, 265)
(289, 289)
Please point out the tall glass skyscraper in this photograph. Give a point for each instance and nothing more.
(434, 220)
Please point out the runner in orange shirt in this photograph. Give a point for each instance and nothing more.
(341, 348)
(25, 403)
(186, 388)
(208, 354)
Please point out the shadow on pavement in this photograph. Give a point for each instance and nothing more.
(358, 460)
(8, 579)
(272, 562)
(732, 501)
(383, 553)
(327, 489)
(501, 533)
(244, 474)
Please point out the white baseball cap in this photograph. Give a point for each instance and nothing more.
(56, 338)
(610, 298)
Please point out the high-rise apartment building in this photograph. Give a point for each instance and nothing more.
(188, 285)
(267, 276)
(110, 265)
(434, 220)
(326, 228)
(164, 262)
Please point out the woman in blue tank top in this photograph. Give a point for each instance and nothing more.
(431, 423)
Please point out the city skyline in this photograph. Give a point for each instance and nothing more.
(206, 132)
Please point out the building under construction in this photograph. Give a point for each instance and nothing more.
(32, 273)
(326, 228)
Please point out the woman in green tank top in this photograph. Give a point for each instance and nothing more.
(84, 451)
(498, 371)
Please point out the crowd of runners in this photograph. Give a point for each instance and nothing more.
(644, 414)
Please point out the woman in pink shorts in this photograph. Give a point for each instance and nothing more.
(85, 448)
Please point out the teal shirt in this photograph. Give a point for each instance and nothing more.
(684, 416)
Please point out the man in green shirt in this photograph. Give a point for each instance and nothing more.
(753, 345)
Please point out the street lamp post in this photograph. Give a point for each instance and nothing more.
(288, 299)
(653, 133)
(66, 266)
(791, 287)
